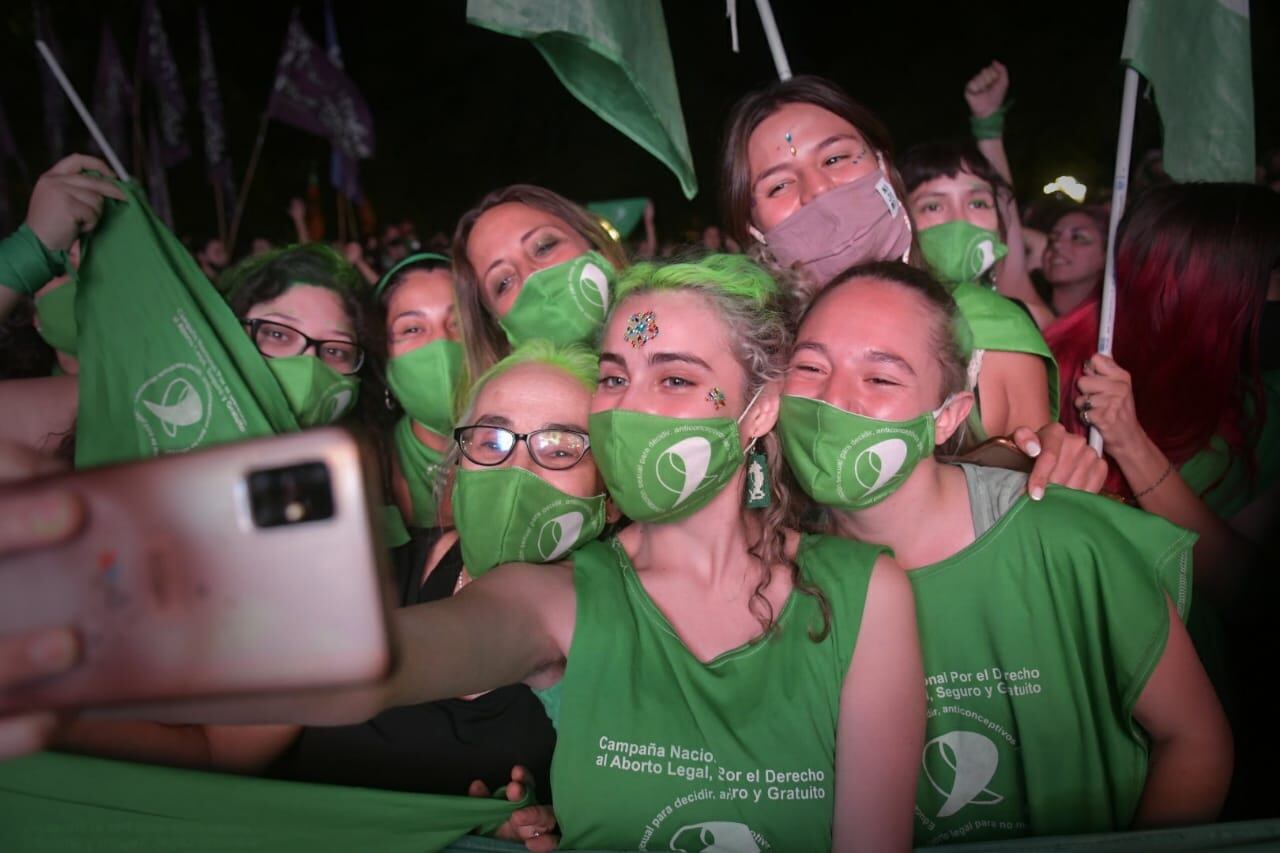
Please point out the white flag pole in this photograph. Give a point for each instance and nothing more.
(1119, 191)
(84, 114)
(775, 40)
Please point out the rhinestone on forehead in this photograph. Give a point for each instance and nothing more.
(787, 136)
(641, 328)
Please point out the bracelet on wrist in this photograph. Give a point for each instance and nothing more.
(989, 127)
(1149, 489)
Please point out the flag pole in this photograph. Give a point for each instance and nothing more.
(774, 39)
(1119, 192)
(238, 216)
(70, 91)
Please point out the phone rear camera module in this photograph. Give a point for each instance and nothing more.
(292, 495)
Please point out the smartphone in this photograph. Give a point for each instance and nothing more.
(247, 568)
(998, 452)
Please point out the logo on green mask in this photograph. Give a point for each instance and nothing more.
(592, 290)
(682, 467)
(559, 535)
(878, 464)
(173, 408)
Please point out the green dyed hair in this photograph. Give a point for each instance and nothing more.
(576, 360)
(733, 276)
(276, 271)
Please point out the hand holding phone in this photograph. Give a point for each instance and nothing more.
(246, 569)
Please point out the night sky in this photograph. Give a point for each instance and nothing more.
(459, 110)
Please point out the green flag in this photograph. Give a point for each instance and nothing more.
(613, 56)
(165, 366)
(66, 802)
(1196, 55)
(624, 214)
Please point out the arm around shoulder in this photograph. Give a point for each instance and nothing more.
(882, 719)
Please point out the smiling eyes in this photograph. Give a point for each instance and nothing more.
(839, 160)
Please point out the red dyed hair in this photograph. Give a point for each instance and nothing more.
(1193, 262)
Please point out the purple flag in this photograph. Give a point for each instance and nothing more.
(112, 96)
(313, 94)
(55, 102)
(157, 180)
(215, 133)
(156, 60)
(344, 171)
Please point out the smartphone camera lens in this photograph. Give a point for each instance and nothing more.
(292, 495)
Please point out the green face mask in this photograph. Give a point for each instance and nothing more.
(508, 515)
(661, 469)
(57, 312)
(317, 393)
(423, 381)
(564, 304)
(851, 461)
(958, 251)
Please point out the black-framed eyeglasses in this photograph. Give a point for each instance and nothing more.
(554, 448)
(276, 340)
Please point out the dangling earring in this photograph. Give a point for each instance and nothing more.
(391, 403)
(759, 490)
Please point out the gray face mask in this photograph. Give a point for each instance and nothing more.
(858, 222)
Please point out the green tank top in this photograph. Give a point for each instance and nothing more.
(659, 751)
(997, 324)
(1038, 640)
(418, 464)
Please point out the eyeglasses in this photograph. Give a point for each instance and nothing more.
(556, 449)
(276, 340)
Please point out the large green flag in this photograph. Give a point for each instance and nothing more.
(66, 802)
(613, 55)
(165, 366)
(1196, 55)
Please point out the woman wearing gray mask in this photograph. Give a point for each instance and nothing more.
(808, 178)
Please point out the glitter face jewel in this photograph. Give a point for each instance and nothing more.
(716, 398)
(641, 328)
(791, 144)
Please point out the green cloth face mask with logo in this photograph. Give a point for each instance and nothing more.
(564, 304)
(509, 515)
(661, 469)
(423, 381)
(959, 251)
(851, 461)
(317, 393)
(57, 312)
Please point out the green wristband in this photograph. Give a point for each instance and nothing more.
(26, 264)
(992, 126)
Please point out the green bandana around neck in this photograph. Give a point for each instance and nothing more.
(509, 515)
(851, 461)
(564, 304)
(958, 251)
(317, 393)
(424, 380)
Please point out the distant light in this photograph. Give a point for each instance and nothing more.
(1068, 186)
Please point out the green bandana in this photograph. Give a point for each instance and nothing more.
(846, 460)
(661, 469)
(419, 465)
(959, 251)
(57, 312)
(509, 515)
(423, 381)
(317, 393)
(564, 304)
